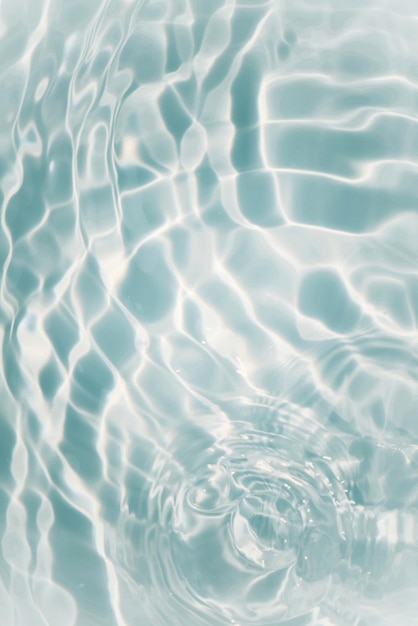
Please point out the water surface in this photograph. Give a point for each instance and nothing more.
(208, 313)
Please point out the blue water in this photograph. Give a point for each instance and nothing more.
(208, 313)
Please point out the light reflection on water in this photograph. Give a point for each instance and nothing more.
(209, 301)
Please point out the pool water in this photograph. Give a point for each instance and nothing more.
(208, 313)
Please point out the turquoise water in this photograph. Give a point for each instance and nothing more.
(208, 313)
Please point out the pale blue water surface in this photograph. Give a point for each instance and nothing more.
(208, 313)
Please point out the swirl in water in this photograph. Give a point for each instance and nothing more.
(259, 524)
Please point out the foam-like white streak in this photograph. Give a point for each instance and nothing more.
(54, 602)
(216, 38)
(193, 148)
(322, 77)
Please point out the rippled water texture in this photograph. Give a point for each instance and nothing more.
(208, 313)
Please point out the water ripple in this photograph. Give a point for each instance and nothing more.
(258, 523)
(208, 313)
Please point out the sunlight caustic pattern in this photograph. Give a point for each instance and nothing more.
(208, 313)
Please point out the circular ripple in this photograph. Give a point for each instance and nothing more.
(252, 526)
